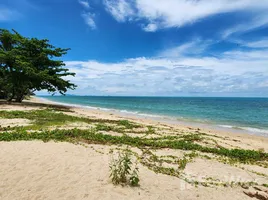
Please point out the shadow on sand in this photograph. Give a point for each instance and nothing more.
(36, 104)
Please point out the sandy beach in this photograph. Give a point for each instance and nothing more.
(133, 100)
(61, 170)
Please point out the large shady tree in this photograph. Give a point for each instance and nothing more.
(30, 64)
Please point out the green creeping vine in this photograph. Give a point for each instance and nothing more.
(92, 136)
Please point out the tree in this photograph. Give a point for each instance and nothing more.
(29, 64)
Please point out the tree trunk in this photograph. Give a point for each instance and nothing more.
(9, 99)
(19, 98)
(20, 95)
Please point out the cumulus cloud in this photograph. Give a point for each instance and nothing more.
(176, 13)
(234, 72)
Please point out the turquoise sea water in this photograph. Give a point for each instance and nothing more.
(238, 113)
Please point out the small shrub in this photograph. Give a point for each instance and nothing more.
(182, 163)
(120, 170)
(134, 177)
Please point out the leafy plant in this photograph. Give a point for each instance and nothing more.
(134, 178)
(182, 163)
(120, 170)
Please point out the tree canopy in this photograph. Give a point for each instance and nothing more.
(28, 65)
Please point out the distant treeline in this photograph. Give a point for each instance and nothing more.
(28, 65)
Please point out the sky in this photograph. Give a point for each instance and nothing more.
(153, 47)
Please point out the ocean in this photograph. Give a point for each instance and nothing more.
(249, 114)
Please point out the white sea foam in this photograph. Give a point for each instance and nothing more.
(143, 114)
(226, 126)
(263, 132)
(255, 130)
(249, 129)
(128, 112)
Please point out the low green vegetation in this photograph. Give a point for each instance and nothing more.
(127, 124)
(45, 123)
(92, 136)
(121, 171)
(42, 119)
(182, 163)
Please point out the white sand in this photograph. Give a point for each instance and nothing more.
(37, 170)
(14, 122)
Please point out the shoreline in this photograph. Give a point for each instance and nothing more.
(65, 152)
(210, 127)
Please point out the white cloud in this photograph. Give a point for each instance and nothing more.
(8, 14)
(258, 44)
(194, 47)
(234, 72)
(150, 28)
(121, 10)
(88, 16)
(89, 20)
(256, 22)
(84, 3)
(255, 55)
(176, 13)
(262, 43)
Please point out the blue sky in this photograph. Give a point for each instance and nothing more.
(153, 47)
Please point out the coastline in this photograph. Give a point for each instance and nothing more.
(155, 119)
(247, 140)
(62, 170)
